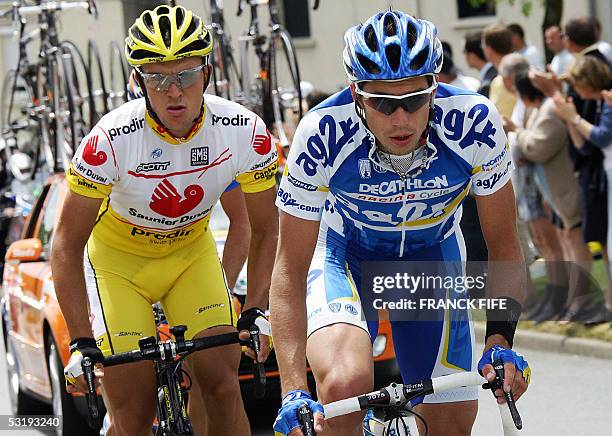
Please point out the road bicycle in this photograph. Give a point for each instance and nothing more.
(269, 72)
(42, 112)
(399, 418)
(173, 382)
(226, 74)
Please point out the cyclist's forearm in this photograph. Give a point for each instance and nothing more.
(289, 326)
(69, 282)
(235, 252)
(261, 260)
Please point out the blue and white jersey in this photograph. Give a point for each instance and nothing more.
(333, 175)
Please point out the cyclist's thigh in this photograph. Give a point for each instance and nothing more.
(340, 356)
(339, 347)
(431, 348)
(121, 313)
(199, 298)
(332, 288)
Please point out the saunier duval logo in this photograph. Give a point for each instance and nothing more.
(152, 166)
(237, 120)
(199, 156)
(134, 125)
(90, 174)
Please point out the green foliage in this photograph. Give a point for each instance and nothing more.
(526, 5)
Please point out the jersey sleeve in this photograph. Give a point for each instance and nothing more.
(492, 164)
(258, 170)
(93, 169)
(305, 183)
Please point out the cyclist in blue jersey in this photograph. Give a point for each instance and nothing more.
(378, 172)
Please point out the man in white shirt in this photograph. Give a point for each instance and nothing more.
(528, 51)
(563, 59)
(450, 74)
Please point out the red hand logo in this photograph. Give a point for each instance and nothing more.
(263, 143)
(91, 155)
(167, 201)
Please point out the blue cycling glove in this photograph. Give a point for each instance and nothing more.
(498, 352)
(287, 418)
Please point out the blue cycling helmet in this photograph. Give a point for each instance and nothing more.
(391, 45)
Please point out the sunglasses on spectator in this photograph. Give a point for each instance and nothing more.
(163, 82)
(387, 104)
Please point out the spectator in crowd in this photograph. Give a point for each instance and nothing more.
(530, 205)
(475, 58)
(447, 48)
(497, 43)
(590, 77)
(563, 59)
(544, 141)
(528, 51)
(603, 46)
(450, 74)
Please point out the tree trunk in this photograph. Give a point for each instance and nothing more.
(552, 16)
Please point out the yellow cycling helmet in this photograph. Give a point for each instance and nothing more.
(166, 34)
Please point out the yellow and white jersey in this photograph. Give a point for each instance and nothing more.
(158, 192)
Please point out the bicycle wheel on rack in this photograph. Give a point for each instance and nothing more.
(283, 89)
(98, 82)
(19, 131)
(119, 77)
(68, 127)
(81, 79)
(226, 76)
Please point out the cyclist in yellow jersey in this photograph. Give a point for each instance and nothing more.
(134, 227)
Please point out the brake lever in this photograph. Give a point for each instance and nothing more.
(306, 419)
(92, 400)
(259, 372)
(498, 383)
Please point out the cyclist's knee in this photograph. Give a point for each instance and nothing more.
(343, 383)
(127, 423)
(220, 388)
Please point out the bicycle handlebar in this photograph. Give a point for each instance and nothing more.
(169, 351)
(398, 394)
(90, 5)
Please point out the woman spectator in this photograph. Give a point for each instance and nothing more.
(544, 141)
(591, 77)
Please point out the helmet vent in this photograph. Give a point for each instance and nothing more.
(194, 46)
(389, 25)
(180, 17)
(419, 60)
(141, 36)
(370, 39)
(163, 10)
(368, 65)
(166, 30)
(394, 54)
(148, 21)
(412, 34)
(190, 30)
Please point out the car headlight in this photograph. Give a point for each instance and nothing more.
(379, 345)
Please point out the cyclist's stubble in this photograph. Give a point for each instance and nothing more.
(177, 108)
(400, 132)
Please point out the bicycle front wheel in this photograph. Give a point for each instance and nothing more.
(98, 82)
(20, 131)
(284, 86)
(118, 77)
(226, 77)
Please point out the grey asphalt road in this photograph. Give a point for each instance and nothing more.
(569, 395)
